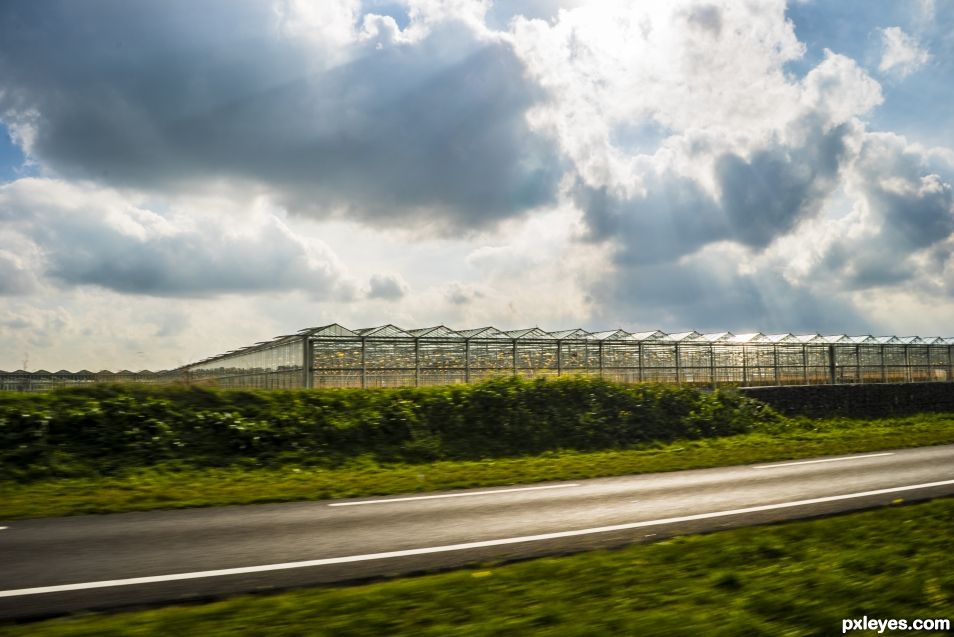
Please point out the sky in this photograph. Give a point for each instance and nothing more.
(179, 179)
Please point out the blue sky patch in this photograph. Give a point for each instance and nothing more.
(11, 157)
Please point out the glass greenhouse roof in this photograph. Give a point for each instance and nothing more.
(536, 333)
(335, 331)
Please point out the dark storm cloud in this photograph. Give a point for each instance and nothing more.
(918, 218)
(766, 195)
(170, 96)
(453, 142)
(762, 197)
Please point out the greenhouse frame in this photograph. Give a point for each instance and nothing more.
(388, 356)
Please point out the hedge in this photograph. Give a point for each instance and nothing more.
(106, 428)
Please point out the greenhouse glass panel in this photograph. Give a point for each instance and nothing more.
(895, 362)
(579, 356)
(342, 353)
(537, 358)
(846, 363)
(727, 360)
(623, 354)
(872, 364)
(919, 364)
(940, 355)
(695, 363)
(491, 356)
(659, 362)
(791, 363)
(390, 354)
(443, 355)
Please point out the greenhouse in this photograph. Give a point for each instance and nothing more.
(388, 356)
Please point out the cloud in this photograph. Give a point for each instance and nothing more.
(80, 235)
(15, 276)
(27, 328)
(387, 287)
(746, 152)
(613, 65)
(713, 290)
(706, 189)
(706, 17)
(902, 54)
(766, 195)
(701, 164)
(322, 109)
(901, 229)
(458, 294)
(747, 158)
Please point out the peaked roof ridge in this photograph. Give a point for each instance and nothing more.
(528, 332)
(749, 337)
(716, 337)
(652, 335)
(332, 329)
(578, 332)
(786, 337)
(387, 330)
(488, 331)
(691, 335)
(606, 335)
(434, 332)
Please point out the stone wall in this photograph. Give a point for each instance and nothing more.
(873, 400)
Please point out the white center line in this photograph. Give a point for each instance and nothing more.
(792, 464)
(451, 495)
(4, 528)
(452, 547)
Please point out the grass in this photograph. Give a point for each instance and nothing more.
(174, 486)
(798, 578)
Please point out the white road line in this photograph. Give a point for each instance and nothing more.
(4, 528)
(792, 464)
(451, 547)
(451, 495)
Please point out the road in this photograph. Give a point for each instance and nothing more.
(60, 565)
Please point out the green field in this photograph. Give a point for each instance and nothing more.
(797, 578)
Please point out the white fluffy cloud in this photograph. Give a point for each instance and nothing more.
(73, 234)
(705, 167)
(902, 54)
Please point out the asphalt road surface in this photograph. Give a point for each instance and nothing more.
(60, 565)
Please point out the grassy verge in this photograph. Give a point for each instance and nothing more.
(798, 578)
(178, 486)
